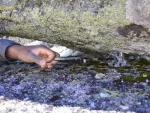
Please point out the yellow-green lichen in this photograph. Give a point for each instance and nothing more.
(7, 8)
(83, 29)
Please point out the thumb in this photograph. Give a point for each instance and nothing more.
(42, 63)
(39, 60)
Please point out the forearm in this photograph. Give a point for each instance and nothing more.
(20, 52)
(14, 52)
(4, 47)
(40, 55)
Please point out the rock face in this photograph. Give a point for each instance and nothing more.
(80, 24)
(85, 25)
(138, 12)
(8, 2)
(67, 5)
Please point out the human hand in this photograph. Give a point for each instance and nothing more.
(38, 54)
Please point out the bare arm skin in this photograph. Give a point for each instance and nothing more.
(40, 55)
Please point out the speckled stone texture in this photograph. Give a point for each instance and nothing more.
(70, 88)
(138, 12)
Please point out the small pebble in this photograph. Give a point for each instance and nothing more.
(104, 95)
(99, 75)
(124, 107)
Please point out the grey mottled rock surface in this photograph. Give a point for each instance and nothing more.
(138, 12)
(73, 88)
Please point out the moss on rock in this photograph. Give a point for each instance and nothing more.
(82, 29)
